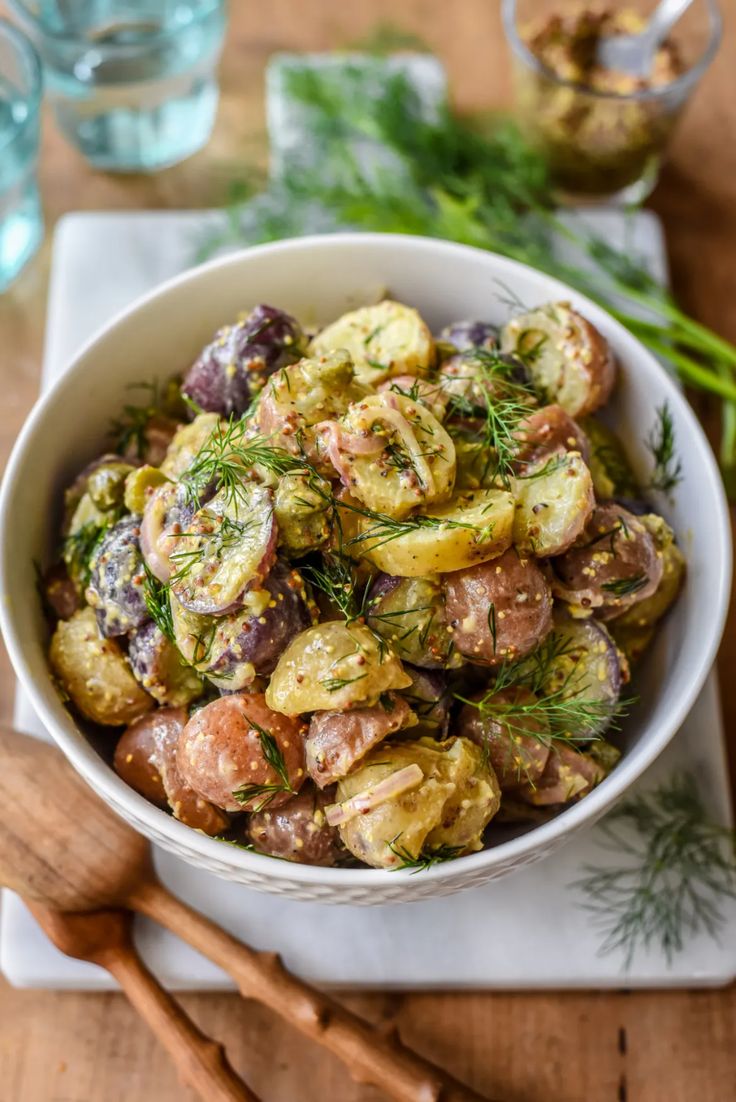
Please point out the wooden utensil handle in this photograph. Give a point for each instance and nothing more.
(200, 1061)
(371, 1056)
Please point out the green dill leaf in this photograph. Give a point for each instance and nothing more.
(625, 587)
(667, 471)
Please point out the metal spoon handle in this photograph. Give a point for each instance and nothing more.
(200, 1061)
(663, 19)
(370, 1055)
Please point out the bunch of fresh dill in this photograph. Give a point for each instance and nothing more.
(674, 869)
(449, 177)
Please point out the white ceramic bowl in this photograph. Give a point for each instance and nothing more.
(317, 279)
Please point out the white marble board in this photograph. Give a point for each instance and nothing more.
(526, 931)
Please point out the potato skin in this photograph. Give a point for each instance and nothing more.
(614, 565)
(587, 665)
(518, 751)
(429, 698)
(409, 613)
(220, 751)
(235, 366)
(568, 776)
(158, 666)
(94, 672)
(60, 592)
(137, 756)
(546, 431)
(569, 360)
(336, 741)
(115, 590)
(498, 610)
(297, 831)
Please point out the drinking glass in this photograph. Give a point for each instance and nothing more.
(21, 222)
(132, 84)
(605, 146)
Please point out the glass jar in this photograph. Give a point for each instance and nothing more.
(604, 146)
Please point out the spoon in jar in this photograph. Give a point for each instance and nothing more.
(104, 938)
(634, 53)
(63, 847)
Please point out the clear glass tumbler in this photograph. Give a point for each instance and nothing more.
(21, 222)
(605, 146)
(133, 84)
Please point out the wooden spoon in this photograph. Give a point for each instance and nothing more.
(104, 938)
(62, 846)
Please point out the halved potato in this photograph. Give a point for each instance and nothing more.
(554, 500)
(332, 667)
(383, 340)
(474, 526)
(569, 360)
(391, 453)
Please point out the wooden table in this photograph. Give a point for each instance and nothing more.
(671, 1047)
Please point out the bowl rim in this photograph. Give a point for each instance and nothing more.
(210, 851)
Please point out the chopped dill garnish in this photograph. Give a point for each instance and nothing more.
(335, 684)
(427, 857)
(507, 403)
(79, 548)
(674, 869)
(225, 459)
(667, 471)
(156, 596)
(625, 587)
(273, 756)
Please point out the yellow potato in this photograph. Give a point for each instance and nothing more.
(474, 526)
(332, 667)
(553, 504)
(384, 340)
(95, 673)
(412, 462)
(188, 440)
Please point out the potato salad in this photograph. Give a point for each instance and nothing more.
(360, 595)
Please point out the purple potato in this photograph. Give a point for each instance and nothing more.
(260, 639)
(161, 670)
(60, 592)
(586, 666)
(429, 698)
(298, 831)
(168, 513)
(117, 578)
(231, 370)
(464, 335)
(409, 613)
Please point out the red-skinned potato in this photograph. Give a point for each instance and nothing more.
(568, 776)
(145, 758)
(569, 360)
(297, 831)
(238, 745)
(546, 431)
(517, 743)
(499, 609)
(614, 564)
(337, 741)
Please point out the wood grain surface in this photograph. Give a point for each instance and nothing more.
(624, 1047)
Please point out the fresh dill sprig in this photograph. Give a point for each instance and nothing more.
(507, 403)
(567, 712)
(475, 182)
(225, 459)
(156, 596)
(625, 587)
(335, 577)
(425, 859)
(273, 756)
(79, 547)
(676, 868)
(667, 471)
(129, 430)
(335, 684)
